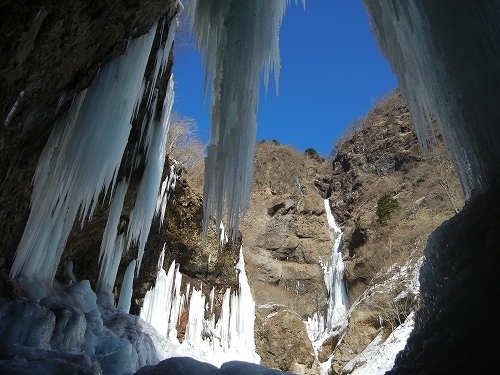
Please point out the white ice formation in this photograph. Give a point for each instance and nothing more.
(378, 356)
(237, 39)
(127, 288)
(146, 207)
(112, 243)
(231, 337)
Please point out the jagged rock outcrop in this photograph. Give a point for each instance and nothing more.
(393, 195)
(380, 158)
(285, 234)
(285, 231)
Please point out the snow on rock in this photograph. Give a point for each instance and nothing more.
(378, 357)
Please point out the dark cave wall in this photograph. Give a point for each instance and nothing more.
(50, 51)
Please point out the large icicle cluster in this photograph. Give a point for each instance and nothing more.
(145, 206)
(228, 338)
(447, 67)
(236, 39)
(82, 157)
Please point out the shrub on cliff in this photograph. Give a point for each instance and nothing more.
(385, 206)
(313, 154)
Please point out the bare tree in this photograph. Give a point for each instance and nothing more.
(183, 142)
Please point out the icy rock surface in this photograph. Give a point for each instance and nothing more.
(378, 357)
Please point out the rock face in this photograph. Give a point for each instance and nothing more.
(383, 158)
(285, 234)
(283, 343)
(285, 231)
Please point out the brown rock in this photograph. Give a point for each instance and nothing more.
(283, 343)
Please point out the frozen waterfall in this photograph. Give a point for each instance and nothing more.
(231, 337)
(317, 327)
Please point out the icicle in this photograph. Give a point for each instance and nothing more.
(212, 295)
(81, 157)
(166, 191)
(147, 196)
(13, 109)
(127, 288)
(158, 301)
(112, 242)
(176, 306)
(194, 328)
(222, 326)
(236, 39)
(447, 71)
(60, 102)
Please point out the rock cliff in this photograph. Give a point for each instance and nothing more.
(378, 162)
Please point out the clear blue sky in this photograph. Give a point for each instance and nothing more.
(331, 72)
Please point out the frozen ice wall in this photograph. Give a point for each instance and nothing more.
(93, 133)
(236, 39)
(446, 59)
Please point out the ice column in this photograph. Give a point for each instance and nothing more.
(166, 191)
(230, 338)
(127, 288)
(146, 202)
